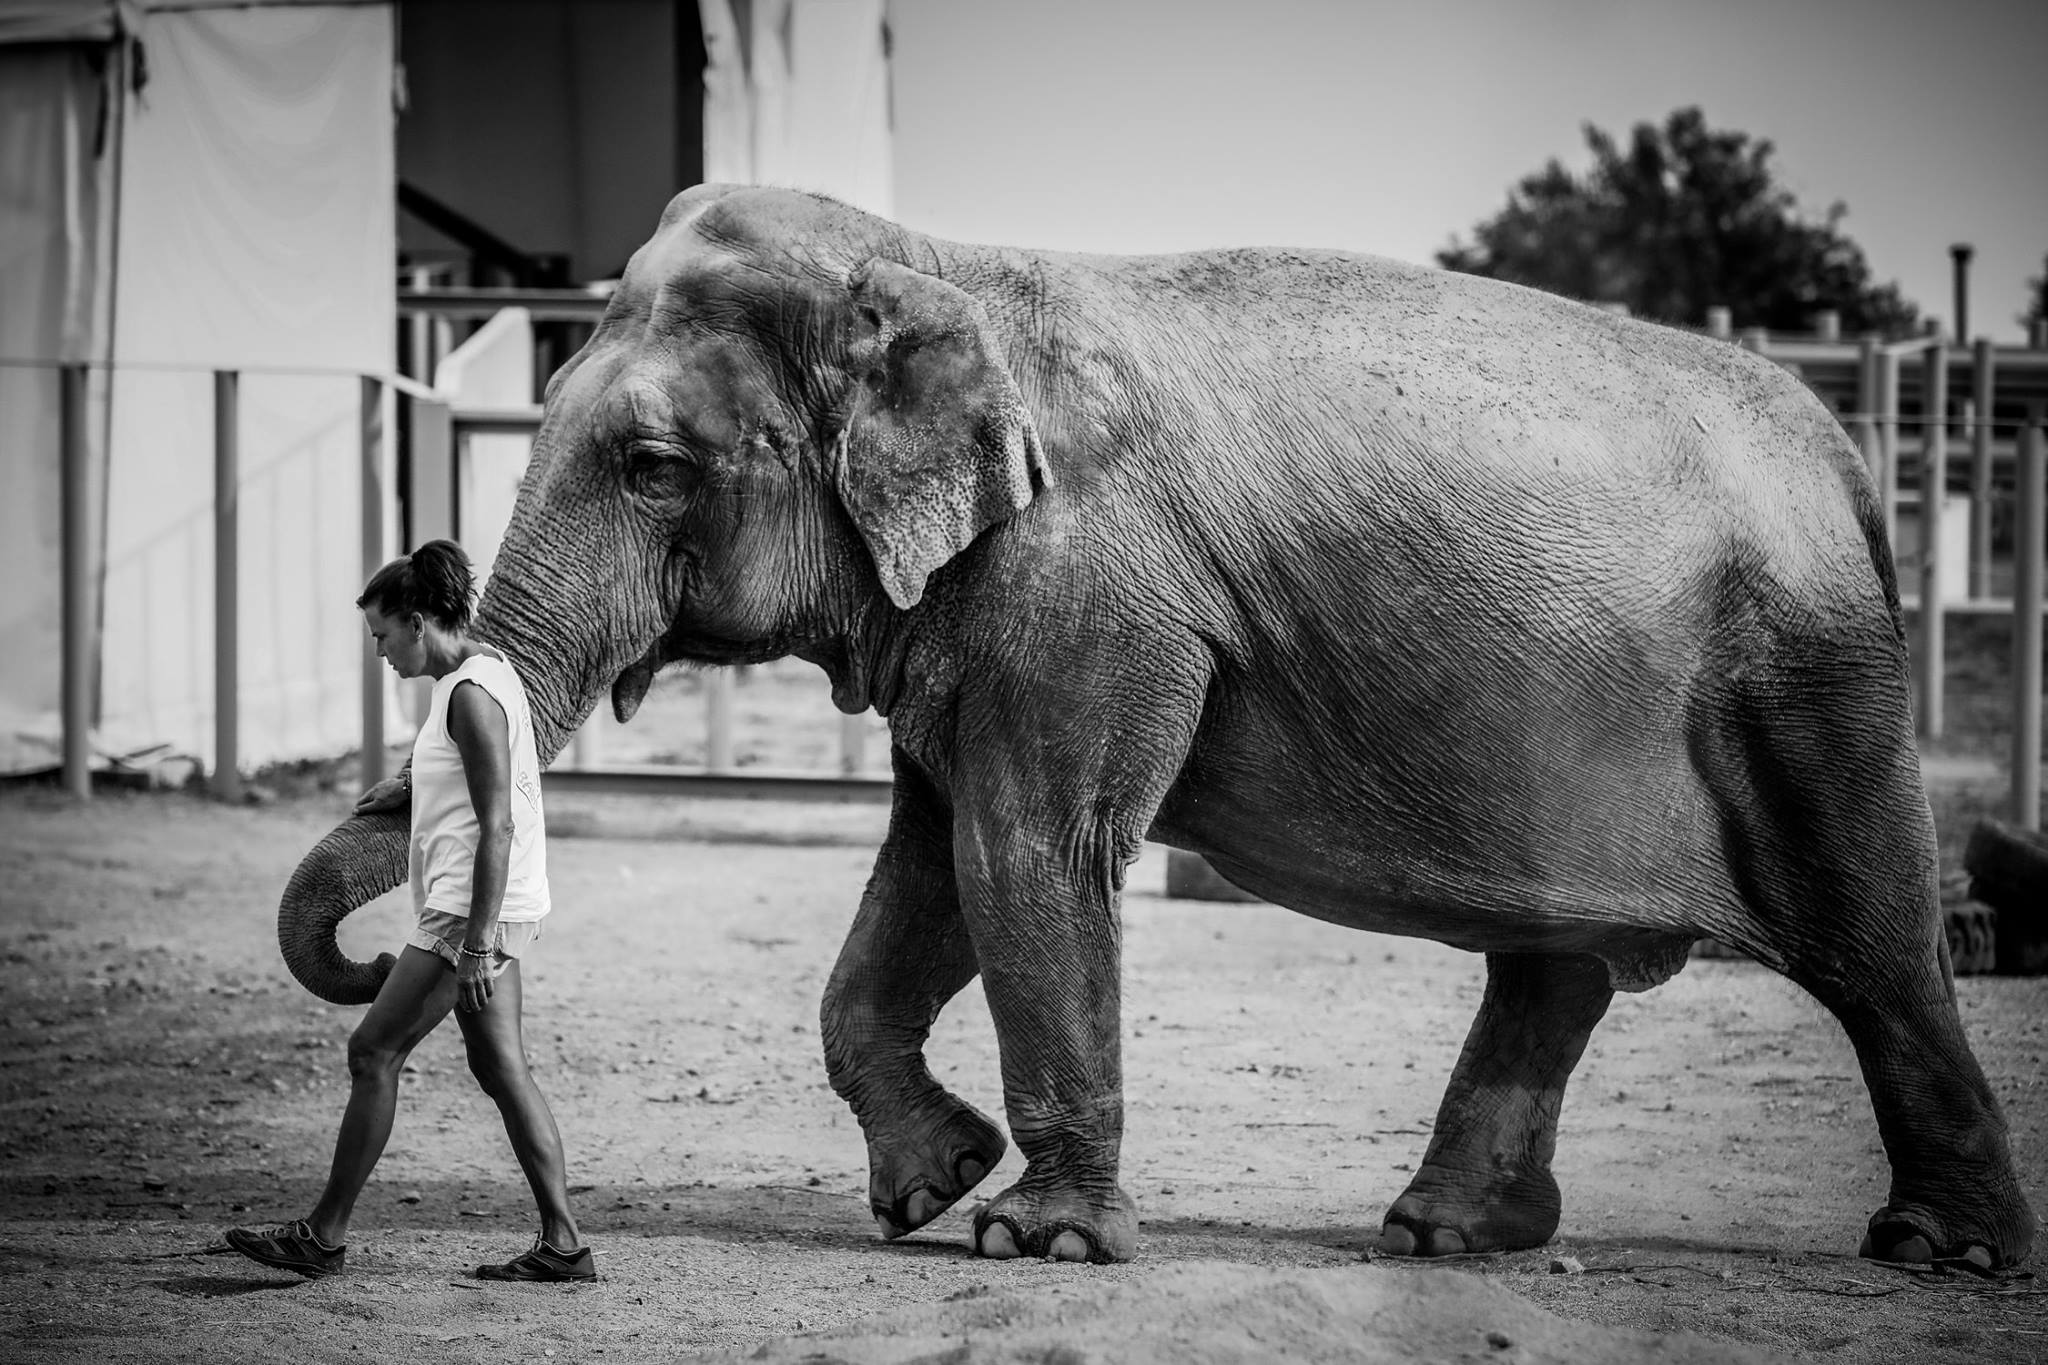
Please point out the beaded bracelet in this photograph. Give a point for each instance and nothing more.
(471, 952)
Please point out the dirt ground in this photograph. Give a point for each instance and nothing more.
(162, 1077)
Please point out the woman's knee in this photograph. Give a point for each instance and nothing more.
(373, 1057)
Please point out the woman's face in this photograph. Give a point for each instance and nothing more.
(400, 641)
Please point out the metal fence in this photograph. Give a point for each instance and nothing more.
(438, 434)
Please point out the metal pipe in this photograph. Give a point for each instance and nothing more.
(227, 480)
(1933, 497)
(1960, 254)
(372, 525)
(2026, 623)
(853, 743)
(1866, 403)
(73, 503)
(429, 502)
(1983, 373)
(718, 720)
(1888, 444)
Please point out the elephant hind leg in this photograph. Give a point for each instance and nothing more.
(1485, 1182)
(1828, 839)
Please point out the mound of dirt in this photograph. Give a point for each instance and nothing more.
(1213, 1313)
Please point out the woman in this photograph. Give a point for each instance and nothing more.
(480, 890)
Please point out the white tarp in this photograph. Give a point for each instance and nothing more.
(56, 169)
(256, 233)
(796, 93)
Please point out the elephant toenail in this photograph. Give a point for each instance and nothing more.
(922, 1207)
(1397, 1239)
(1913, 1251)
(1446, 1242)
(1068, 1246)
(1980, 1257)
(997, 1243)
(890, 1232)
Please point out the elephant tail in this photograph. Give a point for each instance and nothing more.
(359, 860)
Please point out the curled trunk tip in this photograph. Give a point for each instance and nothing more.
(360, 859)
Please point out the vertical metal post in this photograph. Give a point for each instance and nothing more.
(1720, 322)
(1866, 403)
(74, 497)
(1933, 496)
(1888, 443)
(430, 499)
(1756, 339)
(853, 743)
(419, 331)
(718, 720)
(227, 645)
(1982, 375)
(2026, 622)
(372, 524)
(1959, 256)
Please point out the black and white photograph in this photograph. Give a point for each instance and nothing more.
(1039, 681)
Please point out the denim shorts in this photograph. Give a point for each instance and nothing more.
(443, 935)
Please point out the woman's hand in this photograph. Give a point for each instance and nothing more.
(392, 793)
(472, 983)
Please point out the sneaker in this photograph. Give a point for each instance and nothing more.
(291, 1247)
(544, 1263)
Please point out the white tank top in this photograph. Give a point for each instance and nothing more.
(444, 823)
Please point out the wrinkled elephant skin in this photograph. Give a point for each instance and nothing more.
(1413, 601)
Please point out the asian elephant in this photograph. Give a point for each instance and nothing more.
(1413, 601)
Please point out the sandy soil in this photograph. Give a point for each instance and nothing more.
(161, 1077)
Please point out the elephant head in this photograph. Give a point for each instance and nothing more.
(786, 420)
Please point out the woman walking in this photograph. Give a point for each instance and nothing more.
(480, 891)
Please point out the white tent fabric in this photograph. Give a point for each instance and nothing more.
(256, 232)
(56, 177)
(796, 93)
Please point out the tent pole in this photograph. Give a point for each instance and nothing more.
(373, 560)
(2032, 481)
(227, 775)
(77, 587)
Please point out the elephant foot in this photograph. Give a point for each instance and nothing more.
(1434, 1217)
(911, 1184)
(1060, 1226)
(1914, 1236)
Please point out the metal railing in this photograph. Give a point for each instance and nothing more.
(439, 433)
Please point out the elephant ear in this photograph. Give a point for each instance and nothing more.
(937, 445)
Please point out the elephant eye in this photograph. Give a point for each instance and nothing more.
(657, 471)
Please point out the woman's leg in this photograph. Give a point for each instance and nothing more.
(416, 996)
(497, 1057)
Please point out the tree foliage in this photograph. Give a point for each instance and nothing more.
(2037, 297)
(1681, 219)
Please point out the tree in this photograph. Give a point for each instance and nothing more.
(1683, 218)
(2037, 299)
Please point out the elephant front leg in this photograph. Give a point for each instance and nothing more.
(906, 956)
(1050, 947)
(1485, 1183)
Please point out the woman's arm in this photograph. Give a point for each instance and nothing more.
(477, 725)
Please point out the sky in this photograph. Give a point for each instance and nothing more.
(1388, 127)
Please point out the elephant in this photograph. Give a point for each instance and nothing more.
(1413, 601)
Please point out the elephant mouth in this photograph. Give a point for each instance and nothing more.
(630, 688)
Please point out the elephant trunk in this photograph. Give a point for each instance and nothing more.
(359, 860)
